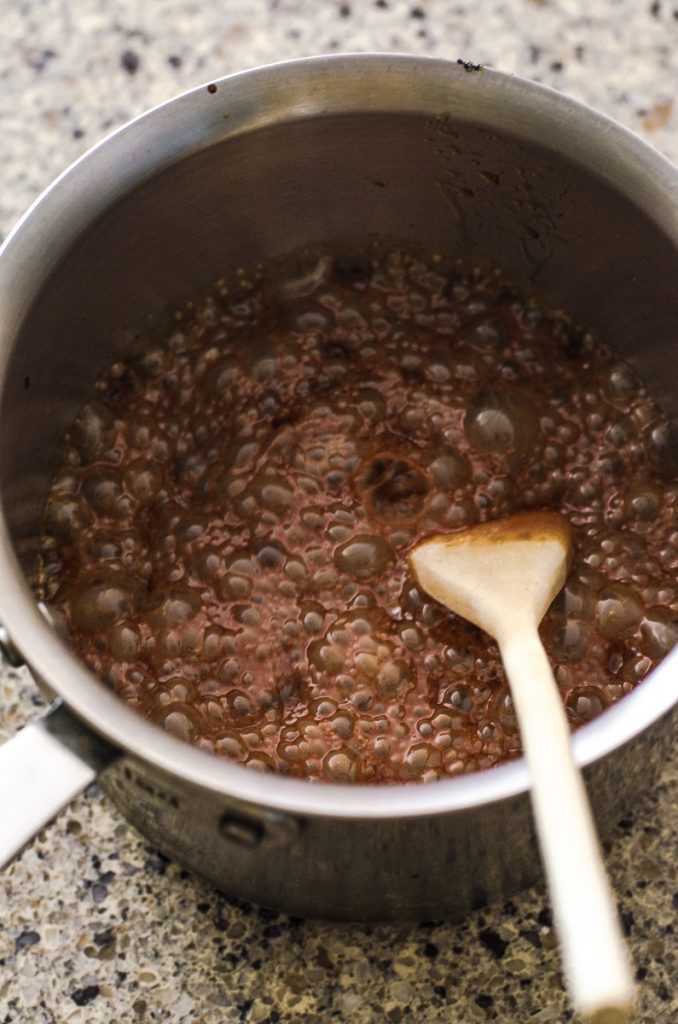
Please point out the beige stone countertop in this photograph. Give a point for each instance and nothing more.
(96, 926)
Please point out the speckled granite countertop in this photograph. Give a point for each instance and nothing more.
(96, 926)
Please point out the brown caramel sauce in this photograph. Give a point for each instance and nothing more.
(227, 532)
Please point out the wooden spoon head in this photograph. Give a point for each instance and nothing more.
(497, 574)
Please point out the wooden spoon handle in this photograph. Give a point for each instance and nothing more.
(597, 969)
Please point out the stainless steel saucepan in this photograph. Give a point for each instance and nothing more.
(472, 162)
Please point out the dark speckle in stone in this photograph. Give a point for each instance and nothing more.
(381, 3)
(663, 992)
(158, 863)
(440, 991)
(556, 65)
(43, 59)
(83, 996)
(344, 10)
(202, 907)
(244, 1008)
(532, 937)
(431, 950)
(99, 892)
(493, 942)
(242, 905)
(641, 973)
(484, 1000)
(417, 12)
(26, 939)
(627, 922)
(174, 60)
(324, 960)
(129, 60)
(655, 9)
(104, 938)
(545, 918)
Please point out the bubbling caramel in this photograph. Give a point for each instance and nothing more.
(227, 533)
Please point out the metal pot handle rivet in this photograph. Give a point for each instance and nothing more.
(262, 826)
(241, 831)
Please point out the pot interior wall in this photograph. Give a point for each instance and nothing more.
(455, 187)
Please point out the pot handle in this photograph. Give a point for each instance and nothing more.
(41, 769)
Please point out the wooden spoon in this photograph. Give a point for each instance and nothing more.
(502, 576)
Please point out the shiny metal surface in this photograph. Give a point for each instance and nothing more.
(479, 165)
(41, 770)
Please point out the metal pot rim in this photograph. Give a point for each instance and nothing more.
(623, 159)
